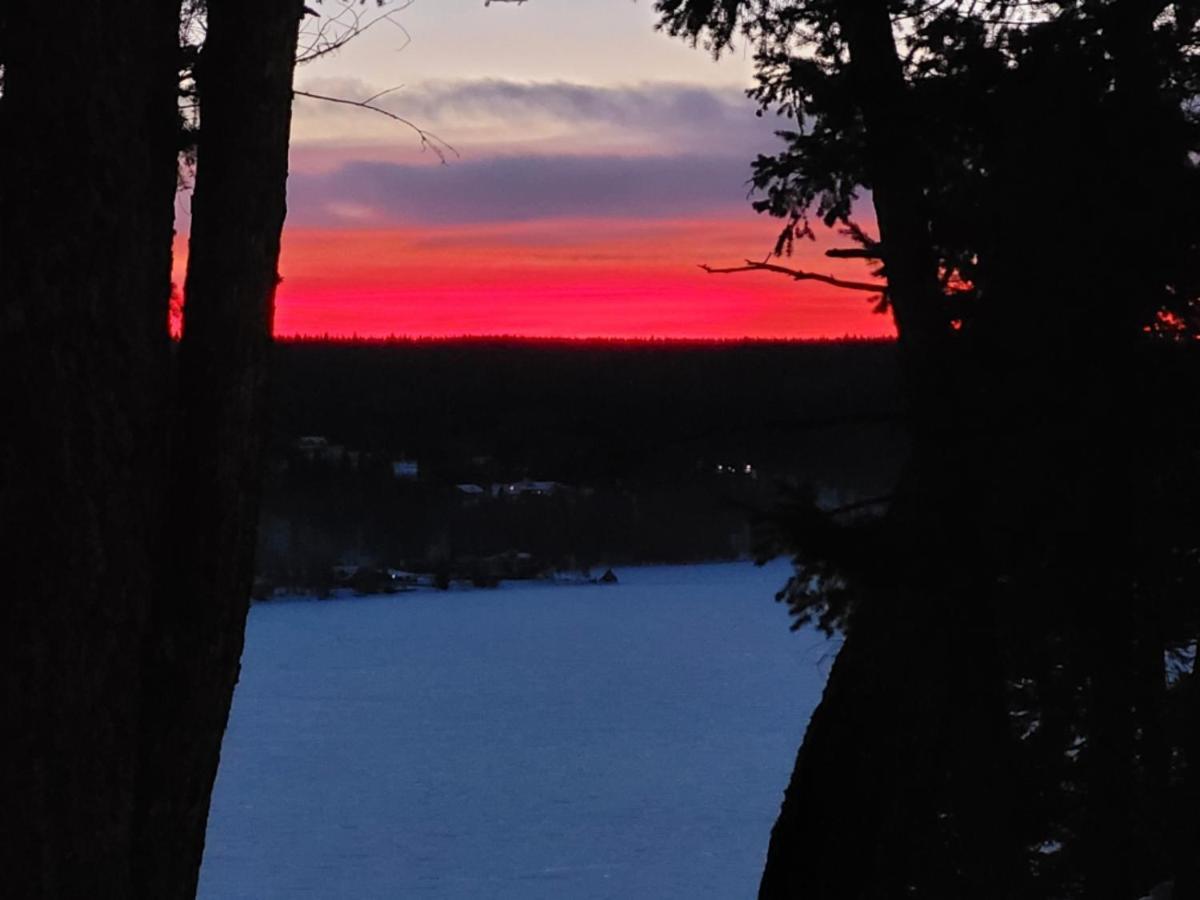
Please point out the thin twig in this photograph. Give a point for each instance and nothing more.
(383, 93)
(335, 31)
(428, 139)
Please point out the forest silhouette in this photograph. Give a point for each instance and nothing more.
(1015, 711)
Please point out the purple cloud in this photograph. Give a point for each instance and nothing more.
(518, 188)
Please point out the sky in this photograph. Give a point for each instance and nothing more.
(595, 165)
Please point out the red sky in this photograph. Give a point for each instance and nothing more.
(565, 278)
(573, 278)
(586, 191)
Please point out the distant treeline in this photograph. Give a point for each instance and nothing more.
(594, 410)
(666, 449)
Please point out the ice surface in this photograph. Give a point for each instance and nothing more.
(580, 742)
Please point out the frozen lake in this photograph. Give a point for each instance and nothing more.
(628, 741)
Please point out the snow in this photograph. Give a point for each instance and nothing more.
(582, 742)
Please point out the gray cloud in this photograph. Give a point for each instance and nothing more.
(518, 188)
(679, 118)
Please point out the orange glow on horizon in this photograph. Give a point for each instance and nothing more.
(575, 279)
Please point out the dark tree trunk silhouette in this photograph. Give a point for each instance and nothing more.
(912, 729)
(127, 495)
(87, 183)
(1187, 884)
(192, 658)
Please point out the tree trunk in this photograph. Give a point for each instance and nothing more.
(1125, 851)
(896, 167)
(1154, 747)
(1187, 873)
(245, 85)
(87, 183)
(912, 730)
(864, 798)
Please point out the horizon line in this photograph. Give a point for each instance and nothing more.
(568, 339)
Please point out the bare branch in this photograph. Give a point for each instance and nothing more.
(852, 253)
(428, 138)
(375, 96)
(799, 275)
(332, 33)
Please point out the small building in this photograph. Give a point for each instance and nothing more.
(311, 443)
(527, 488)
(401, 578)
(316, 448)
(405, 469)
(312, 447)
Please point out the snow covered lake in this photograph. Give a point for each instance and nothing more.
(571, 742)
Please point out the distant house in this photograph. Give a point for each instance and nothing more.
(316, 448)
(401, 578)
(737, 469)
(312, 447)
(405, 468)
(527, 488)
(470, 494)
(311, 443)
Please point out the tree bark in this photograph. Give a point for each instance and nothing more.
(202, 596)
(1187, 872)
(912, 730)
(87, 183)
(896, 168)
